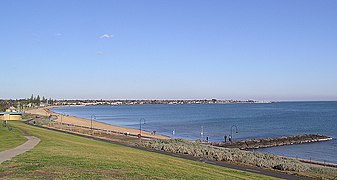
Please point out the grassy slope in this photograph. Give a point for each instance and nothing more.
(65, 156)
(10, 139)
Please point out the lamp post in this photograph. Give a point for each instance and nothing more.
(140, 127)
(236, 128)
(92, 117)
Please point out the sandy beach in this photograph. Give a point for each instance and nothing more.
(45, 111)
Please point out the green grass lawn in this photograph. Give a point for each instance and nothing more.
(64, 156)
(10, 139)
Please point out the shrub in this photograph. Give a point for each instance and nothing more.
(195, 149)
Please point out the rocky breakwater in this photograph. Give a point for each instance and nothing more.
(271, 142)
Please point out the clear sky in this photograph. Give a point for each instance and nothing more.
(169, 49)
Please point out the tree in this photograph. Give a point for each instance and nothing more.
(51, 102)
(2, 107)
(38, 100)
(31, 99)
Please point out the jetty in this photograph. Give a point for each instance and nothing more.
(272, 142)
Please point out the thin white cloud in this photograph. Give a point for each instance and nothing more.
(106, 36)
(99, 52)
(58, 34)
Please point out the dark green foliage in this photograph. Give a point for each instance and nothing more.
(21, 104)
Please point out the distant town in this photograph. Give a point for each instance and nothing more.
(37, 101)
(140, 102)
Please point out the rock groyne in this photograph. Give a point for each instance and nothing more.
(272, 142)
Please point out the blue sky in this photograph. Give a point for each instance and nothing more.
(262, 49)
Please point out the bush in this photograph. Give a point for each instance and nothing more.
(181, 146)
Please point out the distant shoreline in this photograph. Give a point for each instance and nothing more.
(143, 102)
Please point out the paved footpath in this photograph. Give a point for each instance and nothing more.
(28, 145)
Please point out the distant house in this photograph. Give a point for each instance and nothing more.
(43, 104)
(9, 115)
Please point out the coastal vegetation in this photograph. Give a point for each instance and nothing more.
(64, 156)
(182, 146)
(237, 156)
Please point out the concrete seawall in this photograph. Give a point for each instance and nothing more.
(272, 142)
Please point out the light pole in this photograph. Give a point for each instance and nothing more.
(236, 128)
(92, 117)
(140, 127)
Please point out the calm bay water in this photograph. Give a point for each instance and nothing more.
(252, 120)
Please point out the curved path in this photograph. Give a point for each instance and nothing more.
(28, 145)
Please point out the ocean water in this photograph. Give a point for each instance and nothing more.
(251, 120)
